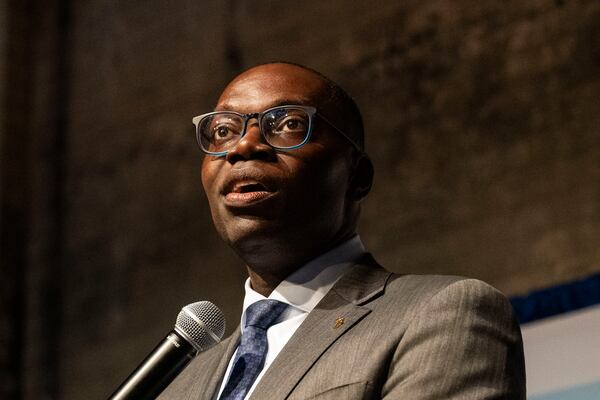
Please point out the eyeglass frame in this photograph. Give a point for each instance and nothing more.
(310, 111)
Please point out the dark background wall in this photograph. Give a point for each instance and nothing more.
(482, 120)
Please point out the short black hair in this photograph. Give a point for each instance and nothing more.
(340, 97)
(337, 96)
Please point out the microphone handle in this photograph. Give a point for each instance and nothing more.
(157, 370)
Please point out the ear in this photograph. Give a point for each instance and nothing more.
(362, 179)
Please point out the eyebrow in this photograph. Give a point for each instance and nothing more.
(279, 102)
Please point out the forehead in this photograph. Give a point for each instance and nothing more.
(268, 86)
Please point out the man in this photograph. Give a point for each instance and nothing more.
(285, 173)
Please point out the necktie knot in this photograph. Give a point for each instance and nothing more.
(264, 313)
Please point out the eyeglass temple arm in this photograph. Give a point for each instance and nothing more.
(341, 132)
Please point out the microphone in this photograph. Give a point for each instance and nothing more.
(199, 326)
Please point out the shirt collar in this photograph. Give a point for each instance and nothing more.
(305, 287)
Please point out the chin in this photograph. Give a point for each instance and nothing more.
(250, 233)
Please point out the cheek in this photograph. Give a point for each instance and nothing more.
(323, 185)
(335, 185)
(208, 176)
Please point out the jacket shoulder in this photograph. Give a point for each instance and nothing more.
(417, 291)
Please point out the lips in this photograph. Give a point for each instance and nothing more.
(243, 191)
(248, 187)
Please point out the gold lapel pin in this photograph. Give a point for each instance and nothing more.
(338, 322)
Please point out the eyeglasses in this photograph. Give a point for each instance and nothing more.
(284, 128)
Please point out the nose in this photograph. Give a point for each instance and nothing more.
(251, 146)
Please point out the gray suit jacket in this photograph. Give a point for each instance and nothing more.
(378, 335)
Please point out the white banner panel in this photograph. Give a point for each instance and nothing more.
(562, 356)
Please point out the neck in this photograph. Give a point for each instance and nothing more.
(263, 283)
(267, 271)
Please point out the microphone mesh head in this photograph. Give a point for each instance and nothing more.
(203, 323)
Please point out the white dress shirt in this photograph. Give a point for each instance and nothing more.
(302, 290)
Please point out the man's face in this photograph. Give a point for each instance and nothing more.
(263, 200)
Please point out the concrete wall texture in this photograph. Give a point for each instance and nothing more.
(482, 120)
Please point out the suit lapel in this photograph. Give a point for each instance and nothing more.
(335, 315)
(210, 389)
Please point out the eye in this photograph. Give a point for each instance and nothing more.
(221, 131)
(291, 124)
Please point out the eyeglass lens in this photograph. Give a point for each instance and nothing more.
(283, 127)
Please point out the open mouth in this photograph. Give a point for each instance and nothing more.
(246, 192)
(248, 187)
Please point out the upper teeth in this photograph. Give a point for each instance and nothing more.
(239, 187)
